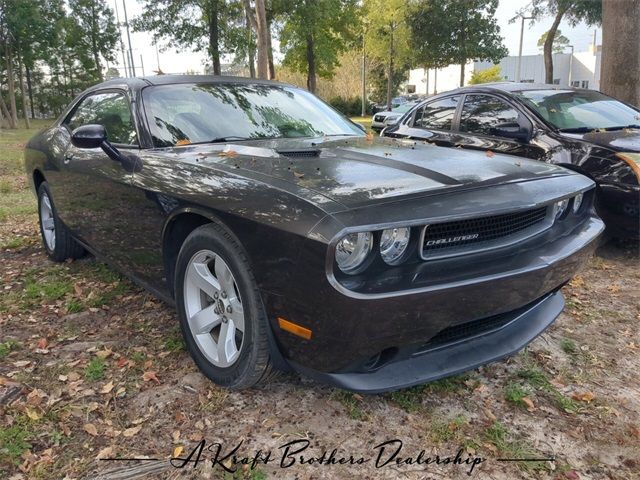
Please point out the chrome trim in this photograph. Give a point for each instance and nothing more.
(506, 241)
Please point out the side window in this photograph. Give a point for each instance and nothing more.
(109, 109)
(481, 113)
(437, 115)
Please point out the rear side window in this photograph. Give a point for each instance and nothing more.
(110, 109)
(481, 113)
(437, 115)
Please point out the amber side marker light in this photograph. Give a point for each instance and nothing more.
(291, 327)
(632, 159)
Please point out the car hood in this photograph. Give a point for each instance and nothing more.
(362, 171)
(618, 140)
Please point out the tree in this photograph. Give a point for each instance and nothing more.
(621, 50)
(560, 42)
(573, 11)
(314, 34)
(491, 74)
(387, 36)
(99, 33)
(210, 25)
(454, 32)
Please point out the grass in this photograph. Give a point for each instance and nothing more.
(509, 447)
(514, 393)
(174, 343)
(539, 380)
(7, 347)
(443, 431)
(352, 404)
(14, 441)
(409, 399)
(95, 369)
(568, 346)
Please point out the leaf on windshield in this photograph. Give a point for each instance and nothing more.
(228, 153)
(369, 137)
(490, 153)
(183, 141)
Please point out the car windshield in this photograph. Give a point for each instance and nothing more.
(183, 114)
(404, 107)
(580, 110)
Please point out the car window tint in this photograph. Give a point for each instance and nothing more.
(481, 113)
(109, 109)
(438, 115)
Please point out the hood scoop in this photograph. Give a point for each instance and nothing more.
(300, 153)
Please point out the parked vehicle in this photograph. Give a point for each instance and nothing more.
(289, 239)
(378, 121)
(583, 130)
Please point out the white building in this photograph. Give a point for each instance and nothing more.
(581, 69)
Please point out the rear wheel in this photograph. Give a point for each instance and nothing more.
(222, 317)
(56, 237)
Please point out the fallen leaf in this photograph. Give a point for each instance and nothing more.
(489, 153)
(148, 376)
(104, 353)
(489, 414)
(369, 136)
(130, 432)
(42, 343)
(228, 153)
(586, 397)
(122, 362)
(175, 435)
(298, 174)
(529, 403)
(91, 429)
(177, 451)
(32, 414)
(106, 388)
(105, 453)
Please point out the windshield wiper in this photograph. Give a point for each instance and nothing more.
(621, 127)
(227, 139)
(576, 130)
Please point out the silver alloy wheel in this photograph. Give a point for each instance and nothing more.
(214, 308)
(47, 222)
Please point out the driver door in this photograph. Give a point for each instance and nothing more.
(95, 192)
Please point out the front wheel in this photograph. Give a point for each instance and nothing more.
(222, 317)
(56, 237)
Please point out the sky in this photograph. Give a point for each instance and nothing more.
(144, 52)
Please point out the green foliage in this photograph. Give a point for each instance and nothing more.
(492, 74)
(7, 347)
(348, 106)
(315, 33)
(573, 11)
(560, 42)
(95, 369)
(14, 442)
(409, 399)
(453, 32)
(514, 393)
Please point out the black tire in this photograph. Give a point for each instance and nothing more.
(253, 365)
(64, 245)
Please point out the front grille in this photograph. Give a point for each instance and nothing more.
(379, 118)
(463, 236)
(299, 153)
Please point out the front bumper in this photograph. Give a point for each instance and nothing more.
(451, 358)
(376, 342)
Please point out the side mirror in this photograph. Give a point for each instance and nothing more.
(511, 130)
(89, 136)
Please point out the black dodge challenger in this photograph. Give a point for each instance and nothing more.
(287, 238)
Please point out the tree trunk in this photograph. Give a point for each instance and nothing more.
(5, 118)
(462, 67)
(94, 42)
(30, 90)
(548, 47)
(272, 68)
(311, 64)
(214, 35)
(390, 69)
(251, 54)
(621, 50)
(23, 93)
(13, 117)
(262, 34)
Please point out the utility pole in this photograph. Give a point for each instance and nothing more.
(519, 61)
(124, 57)
(363, 110)
(126, 24)
(570, 64)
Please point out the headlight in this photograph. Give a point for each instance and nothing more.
(561, 207)
(393, 243)
(577, 202)
(352, 250)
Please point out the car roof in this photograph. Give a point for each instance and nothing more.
(511, 87)
(140, 82)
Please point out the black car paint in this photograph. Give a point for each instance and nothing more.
(592, 154)
(288, 211)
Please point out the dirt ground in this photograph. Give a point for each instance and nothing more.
(93, 371)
